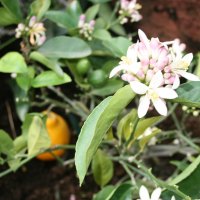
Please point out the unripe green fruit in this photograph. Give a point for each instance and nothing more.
(97, 78)
(83, 66)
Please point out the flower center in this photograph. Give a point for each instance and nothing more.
(126, 60)
(152, 94)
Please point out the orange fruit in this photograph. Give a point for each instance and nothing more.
(59, 134)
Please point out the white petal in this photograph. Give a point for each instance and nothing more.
(157, 80)
(188, 58)
(131, 53)
(144, 194)
(138, 88)
(116, 70)
(143, 106)
(188, 75)
(134, 68)
(144, 39)
(156, 194)
(166, 93)
(176, 82)
(160, 106)
(173, 198)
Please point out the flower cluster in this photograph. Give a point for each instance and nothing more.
(35, 30)
(144, 194)
(193, 110)
(86, 28)
(129, 10)
(153, 69)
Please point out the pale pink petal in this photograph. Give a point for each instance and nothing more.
(116, 70)
(166, 93)
(138, 88)
(188, 75)
(131, 52)
(144, 194)
(144, 39)
(188, 58)
(156, 194)
(160, 106)
(143, 106)
(176, 82)
(157, 80)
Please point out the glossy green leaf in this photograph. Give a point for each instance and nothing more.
(65, 47)
(49, 78)
(6, 144)
(74, 10)
(7, 18)
(189, 94)
(38, 138)
(13, 62)
(48, 62)
(97, 125)
(117, 46)
(39, 7)
(91, 12)
(102, 168)
(62, 19)
(13, 6)
(123, 192)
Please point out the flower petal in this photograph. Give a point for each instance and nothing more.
(160, 106)
(156, 194)
(144, 39)
(157, 80)
(166, 93)
(188, 58)
(176, 82)
(144, 194)
(143, 106)
(138, 88)
(115, 70)
(188, 75)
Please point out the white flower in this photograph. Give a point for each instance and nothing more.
(128, 63)
(180, 66)
(155, 93)
(144, 194)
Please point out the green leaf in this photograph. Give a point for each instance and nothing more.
(24, 80)
(117, 46)
(6, 144)
(186, 172)
(143, 124)
(102, 168)
(91, 12)
(145, 139)
(13, 62)
(126, 124)
(111, 87)
(37, 135)
(65, 47)
(49, 63)
(62, 19)
(189, 94)
(7, 18)
(39, 7)
(105, 193)
(49, 78)
(101, 34)
(13, 6)
(123, 192)
(74, 10)
(197, 68)
(97, 125)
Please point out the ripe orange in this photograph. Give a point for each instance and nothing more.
(59, 134)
